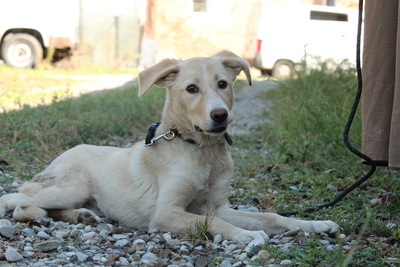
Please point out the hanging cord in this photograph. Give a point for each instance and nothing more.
(368, 160)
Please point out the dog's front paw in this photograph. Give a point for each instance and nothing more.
(321, 227)
(252, 238)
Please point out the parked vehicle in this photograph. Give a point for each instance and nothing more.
(30, 29)
(287, 32)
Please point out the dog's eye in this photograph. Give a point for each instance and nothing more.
(192, 89)
(222, 84)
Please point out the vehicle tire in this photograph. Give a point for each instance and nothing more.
(22, 50)
(284, 69)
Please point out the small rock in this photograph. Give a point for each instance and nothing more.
(43, 235)
(263, 255)
(73, 258)
(75, 233)
(48, 245)
(87, 229)
(286, 262)
(184, 249)
(121, 243)
(256, 249)
(242, 256)
(324, 242)
(342, 236)
(167, 236)
(5, 223)
(347, 247)
(119, 236)
(354, 242)
(8, 232)
(81, 257)
(62, 233)
(88, 236)
(174, 242)
(150, 257)
(44, 222)
(28, 248)
(217, 239)
(15, 184)
(28, 232)
(12, 255)
(103, 226)
(153, 231)
(201, 261)
(225, 263)
(291, 233)
(123, 261)
(287, 239)
(159, 239)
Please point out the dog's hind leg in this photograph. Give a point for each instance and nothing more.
(72, 216)
(34, 199)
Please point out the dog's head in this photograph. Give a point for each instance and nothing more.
(200, 90)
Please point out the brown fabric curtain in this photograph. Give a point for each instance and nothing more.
(381, 83)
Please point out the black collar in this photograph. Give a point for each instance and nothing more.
(152, 131)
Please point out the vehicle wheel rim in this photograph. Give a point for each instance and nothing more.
(284, 71)
(20, 54)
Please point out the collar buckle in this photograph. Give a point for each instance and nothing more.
(166, 135)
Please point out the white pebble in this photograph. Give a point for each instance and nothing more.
(15, 184)
(43, 235)
(81, 257)
(119, 236)
(324, 242)
(123, 261)
(28, 248)
(121, 243)
(242, 256)
(5, 223)
(12, 255)
(217, 239)
(184, 249)
(88, 236)
(286, 262)
(167, 236)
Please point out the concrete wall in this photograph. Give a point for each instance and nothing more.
(181, 33)
(111, 31)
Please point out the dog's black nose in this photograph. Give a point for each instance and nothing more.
(219, 115)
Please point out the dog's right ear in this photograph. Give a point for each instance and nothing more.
(162, 74)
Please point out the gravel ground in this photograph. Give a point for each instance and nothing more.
(51, 243)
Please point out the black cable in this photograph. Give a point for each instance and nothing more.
(368, 160)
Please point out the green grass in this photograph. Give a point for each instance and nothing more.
(306, 165)
(30, 138)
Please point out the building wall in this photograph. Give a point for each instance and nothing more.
(175, 31)
(180, 33)
(111, 32)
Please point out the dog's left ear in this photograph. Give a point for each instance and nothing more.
(162, 74)
(235, 64)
